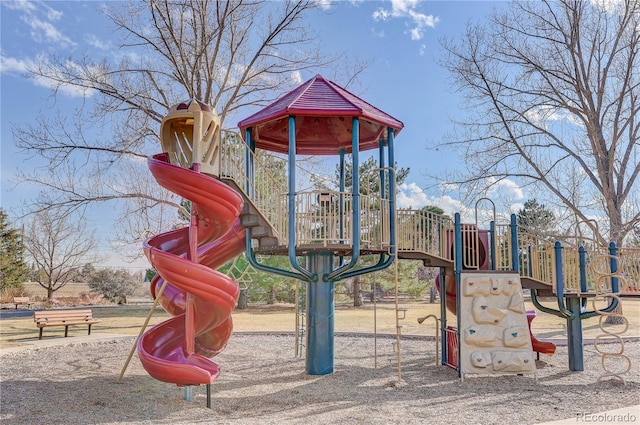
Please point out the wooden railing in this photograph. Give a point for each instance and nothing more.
(536, 259)
(322, 217)
(325, 218)
(423, 232)
(504, 248)
(267, 192)
(629, 269)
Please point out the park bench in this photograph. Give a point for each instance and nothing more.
(64, 318)
(138, 300)
(21, 301)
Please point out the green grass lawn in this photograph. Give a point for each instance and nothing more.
(380, 318)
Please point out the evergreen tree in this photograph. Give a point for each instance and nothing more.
(13, 270)
(535, 219)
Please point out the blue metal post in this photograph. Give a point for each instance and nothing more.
(355, 207)
(249, 169)
(348, 270)
(292, 202)
(291, 196)
(513, 226)
(381, 164)
(458, 272)
(560, 282)
(572, 314)
(582, 267)
(574, 335)
(341, 206)
(383, 185)
(582, 264)
(320, 314)
(392, 191)
(248, 162)
(613, 262)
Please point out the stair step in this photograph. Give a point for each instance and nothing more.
(268, 242)
(246, 209)
(249, 220)
(258, 232)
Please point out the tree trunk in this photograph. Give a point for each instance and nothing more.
(49, 293)
(357, 299)
(615, 320)
(272, 295)
(243, 300)
(432, 294)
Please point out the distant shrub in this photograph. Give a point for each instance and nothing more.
(113, 284)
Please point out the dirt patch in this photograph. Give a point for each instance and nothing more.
(262, 382)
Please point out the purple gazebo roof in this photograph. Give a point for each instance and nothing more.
(323, 112)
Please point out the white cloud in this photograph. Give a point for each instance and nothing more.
(410, 195)
(98, 43)
(448, 186)
(450, 206)
(52, 14)
(16, 67)
(23, 5)
(407, 10)
(11, 65)
(296, 77)
(607, 5)
(542, 114)
(40, 18)
(506, 188)
(379, 34)
(516, 207)
(324, 4)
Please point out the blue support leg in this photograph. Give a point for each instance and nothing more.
(320, 315)
(574, 335)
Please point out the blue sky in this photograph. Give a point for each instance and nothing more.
(399, 38)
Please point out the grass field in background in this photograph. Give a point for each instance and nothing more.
(380, 318)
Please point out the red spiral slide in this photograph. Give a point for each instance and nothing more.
(179, 349)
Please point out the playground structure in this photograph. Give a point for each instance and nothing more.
(238, 206)
(565, 271)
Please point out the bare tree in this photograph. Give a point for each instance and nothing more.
(229, 54)
(553, 98)
(58, 245)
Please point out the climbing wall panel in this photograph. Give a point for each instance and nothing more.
(494, 334)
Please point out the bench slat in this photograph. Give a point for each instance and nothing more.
(71, 317)
(74, 317)
(67, 322)
(56, 314)
(64, 318)
(21, 301)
